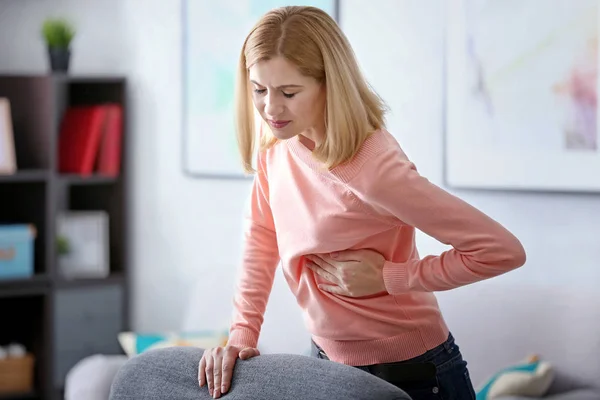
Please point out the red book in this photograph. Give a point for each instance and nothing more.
(80, 134)
(109, 156)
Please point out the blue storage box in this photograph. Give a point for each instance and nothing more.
(16, 251)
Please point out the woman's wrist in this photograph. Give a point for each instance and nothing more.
(395, 277)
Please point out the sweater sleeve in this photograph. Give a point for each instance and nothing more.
(481, 247)
(260, 258)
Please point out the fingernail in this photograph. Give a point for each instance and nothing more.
(217, 393)
(223, 389)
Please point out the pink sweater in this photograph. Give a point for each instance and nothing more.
(373, 202)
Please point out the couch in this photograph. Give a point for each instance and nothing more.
(501, 321)
(497, 323)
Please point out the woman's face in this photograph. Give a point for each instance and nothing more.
(292, 104)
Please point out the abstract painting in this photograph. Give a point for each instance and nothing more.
(521, 95)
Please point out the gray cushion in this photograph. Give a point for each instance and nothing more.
(172, 374)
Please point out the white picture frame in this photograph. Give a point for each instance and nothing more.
(521, 88)
(8, 163)
(87, 237)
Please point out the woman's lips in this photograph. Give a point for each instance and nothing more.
(278, 124)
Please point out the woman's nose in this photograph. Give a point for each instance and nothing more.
(273, 106)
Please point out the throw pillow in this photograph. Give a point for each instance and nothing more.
(134, 343)
(531, 378)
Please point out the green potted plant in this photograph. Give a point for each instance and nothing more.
(58, 34)
(63, 247)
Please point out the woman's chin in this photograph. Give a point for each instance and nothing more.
(283, 134)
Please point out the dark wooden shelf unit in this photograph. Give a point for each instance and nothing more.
(60, 320)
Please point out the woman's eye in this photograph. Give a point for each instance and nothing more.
(287, 95)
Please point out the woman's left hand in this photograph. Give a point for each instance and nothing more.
(353, 273)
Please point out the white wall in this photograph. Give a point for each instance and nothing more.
(186, 233)
(400, 47)
(181, 227)
(186, 230)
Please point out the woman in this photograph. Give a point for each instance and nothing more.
(337, 201)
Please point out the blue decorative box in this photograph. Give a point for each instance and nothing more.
(16, 251)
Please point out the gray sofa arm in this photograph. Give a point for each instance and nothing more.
(91, 378)
(172, 373)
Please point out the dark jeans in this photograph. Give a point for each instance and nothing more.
(439, 374)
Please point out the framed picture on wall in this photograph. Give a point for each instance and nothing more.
(84, 244)
(213, 35)
(521, 95)
(8, 164)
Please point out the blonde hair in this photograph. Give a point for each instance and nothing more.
(310, 39)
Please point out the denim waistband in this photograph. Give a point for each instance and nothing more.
(446, 347)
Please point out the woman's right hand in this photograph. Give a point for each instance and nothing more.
(216, 367)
